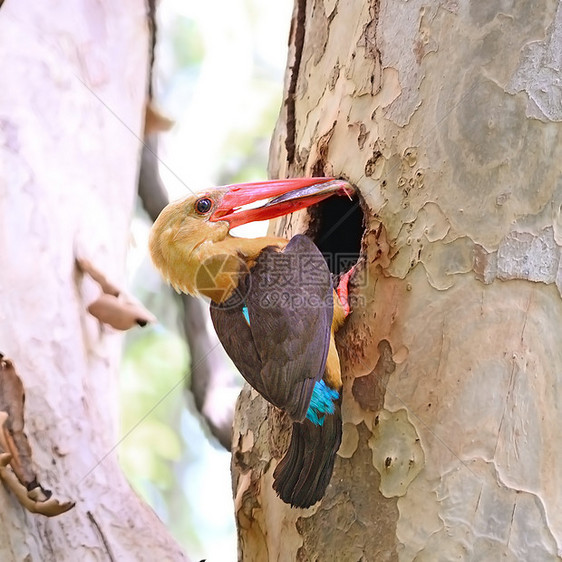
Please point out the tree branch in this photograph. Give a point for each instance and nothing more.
(212, 382)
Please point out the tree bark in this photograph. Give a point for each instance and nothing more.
(71, 113)
(447, 117)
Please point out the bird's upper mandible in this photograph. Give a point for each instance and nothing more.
(194, 231)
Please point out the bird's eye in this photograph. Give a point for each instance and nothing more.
(203, 205)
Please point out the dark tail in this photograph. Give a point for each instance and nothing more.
(303, 474)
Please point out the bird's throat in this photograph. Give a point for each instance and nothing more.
(221, 265)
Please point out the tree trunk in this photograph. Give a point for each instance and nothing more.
(447, 117)
(71, 115)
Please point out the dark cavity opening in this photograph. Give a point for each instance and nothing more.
(337, 226)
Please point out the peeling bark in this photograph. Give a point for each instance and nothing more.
(16, 462)
(296, 44)
(452, 355)
(71, 116)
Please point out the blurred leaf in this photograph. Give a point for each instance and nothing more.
(187, 42)
(152, 382)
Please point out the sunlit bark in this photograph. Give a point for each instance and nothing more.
(447, 116)
(71, 109)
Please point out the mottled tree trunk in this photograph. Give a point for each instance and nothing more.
(447, 116)
(71, 105)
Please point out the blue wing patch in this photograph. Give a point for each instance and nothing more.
(321, 402)
(246, 314)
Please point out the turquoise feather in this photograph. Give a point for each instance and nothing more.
(322, 399)
(321, 402)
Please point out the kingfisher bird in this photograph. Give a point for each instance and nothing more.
(274, 308)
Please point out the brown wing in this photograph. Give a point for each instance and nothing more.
(282, 351)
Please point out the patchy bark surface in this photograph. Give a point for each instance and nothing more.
(447, 117)
(71, 107)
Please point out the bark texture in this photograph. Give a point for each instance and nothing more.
(71, 110)
(447, 116)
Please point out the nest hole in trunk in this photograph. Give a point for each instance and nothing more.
(337, 226)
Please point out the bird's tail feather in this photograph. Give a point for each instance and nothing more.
(303, 474)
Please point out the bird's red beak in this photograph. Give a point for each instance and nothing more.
(286, 196)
